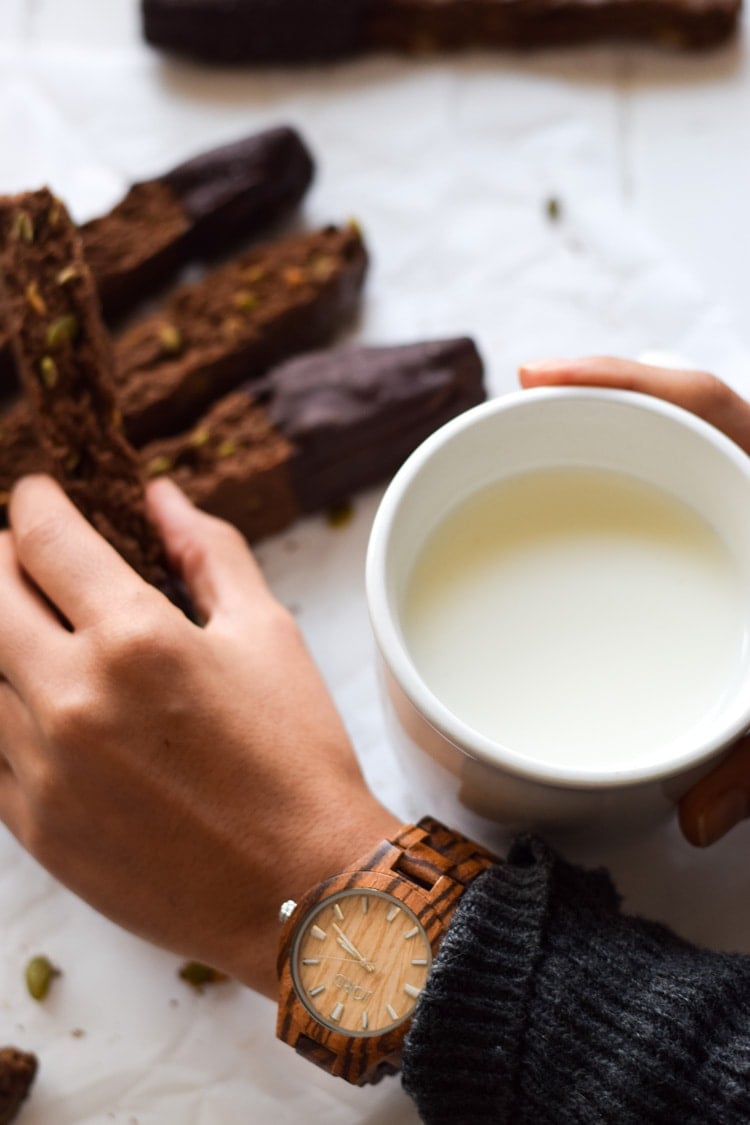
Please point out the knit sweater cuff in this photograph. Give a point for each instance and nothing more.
(546, 1004)
(470, 1024)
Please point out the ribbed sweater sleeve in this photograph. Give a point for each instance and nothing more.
(548, 1006)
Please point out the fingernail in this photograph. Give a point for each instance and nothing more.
(721, 814)
(544, 364)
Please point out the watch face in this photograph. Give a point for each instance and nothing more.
(359, 962)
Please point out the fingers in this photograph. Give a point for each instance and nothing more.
(11, 803)
(18, 735)
(702, 394)
(719, 801)
(80, 573)
(608, 371)
(213, 559)
(18, 739)
(29, 626)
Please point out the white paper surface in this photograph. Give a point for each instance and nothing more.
(448, 167)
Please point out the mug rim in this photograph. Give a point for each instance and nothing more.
(466, 739)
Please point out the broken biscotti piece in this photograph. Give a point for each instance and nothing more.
(276, 300)
(195, 211)
(17, 1073)
(63, 356)
(317, 429)
(287, 31)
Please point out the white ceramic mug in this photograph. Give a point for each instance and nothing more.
(460, 772)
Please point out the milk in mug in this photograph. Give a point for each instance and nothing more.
(577, 616)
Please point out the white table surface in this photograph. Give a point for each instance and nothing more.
(448, 165)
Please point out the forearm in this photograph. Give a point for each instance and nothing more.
(548, 1005)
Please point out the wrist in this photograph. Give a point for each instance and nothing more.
(312, 856)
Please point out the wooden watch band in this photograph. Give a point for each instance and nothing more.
(431, 866)
(440, 861)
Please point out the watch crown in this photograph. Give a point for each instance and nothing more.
(286, 910)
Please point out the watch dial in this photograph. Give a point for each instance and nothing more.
(360, 961)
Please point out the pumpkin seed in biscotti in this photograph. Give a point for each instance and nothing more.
(170, 339)
(22, 228)
(61, 332)
(158, 466)
(244, 300)
(48, 371)
(35, 299)
(69, 273)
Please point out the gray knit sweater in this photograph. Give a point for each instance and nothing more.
(547, 1006)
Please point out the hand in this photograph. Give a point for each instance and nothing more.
(184, 781)
(722, 798)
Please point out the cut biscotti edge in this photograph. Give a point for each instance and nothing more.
(65, 361)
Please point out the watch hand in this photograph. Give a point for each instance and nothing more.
(329, 957)
(349, 946)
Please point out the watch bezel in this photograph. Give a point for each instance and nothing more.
(300, 933)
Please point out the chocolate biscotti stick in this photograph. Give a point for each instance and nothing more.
(260, 31)
(436, 25)
(65, 361)
(198, 210)
(272, 302)
(17, 1072)
(238, 321)
(318, 429)
(297, 31)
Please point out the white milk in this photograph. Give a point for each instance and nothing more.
(578, 616)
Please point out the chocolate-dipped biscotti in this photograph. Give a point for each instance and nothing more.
(195, 211)
(318, 429)
(275, 300)
(64, 358)
(17, 1073)
(294, 31)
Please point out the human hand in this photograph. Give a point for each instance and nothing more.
(184, 781)
(722, 798)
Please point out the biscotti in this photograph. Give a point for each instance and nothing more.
(195, 211)
(437, 25)
(198, 210)
(318, 429)
(234, 324)
(63, 356)
(276, 300)
(296, 31)
(17, 1073)
(225, 31)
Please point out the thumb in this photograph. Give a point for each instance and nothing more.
(210, 555)
(718, 801)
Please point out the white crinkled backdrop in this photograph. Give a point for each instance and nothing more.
(448, 165)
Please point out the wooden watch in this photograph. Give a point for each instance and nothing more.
(355, 953)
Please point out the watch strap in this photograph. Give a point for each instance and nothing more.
(440, 861)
